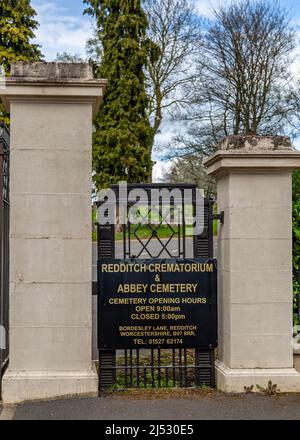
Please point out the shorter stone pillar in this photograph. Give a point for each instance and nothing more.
(255, 262)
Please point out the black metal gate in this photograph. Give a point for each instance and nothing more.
(143, 368)
(4, 248)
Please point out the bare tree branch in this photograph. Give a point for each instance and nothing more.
(174, 29)
(244, 82)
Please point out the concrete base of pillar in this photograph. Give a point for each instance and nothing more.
(21, 386)
(235, 380)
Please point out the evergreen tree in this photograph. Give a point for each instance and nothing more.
(122, 138)
(17, 25)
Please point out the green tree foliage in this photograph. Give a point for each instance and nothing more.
(296, 238)
(17, 26)
(122, 130)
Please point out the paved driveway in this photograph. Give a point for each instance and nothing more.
(211, 406)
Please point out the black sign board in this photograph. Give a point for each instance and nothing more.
(157, 304)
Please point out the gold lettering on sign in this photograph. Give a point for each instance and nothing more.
(156, 267)
(132, 288)
(157, 288)
(173, 288)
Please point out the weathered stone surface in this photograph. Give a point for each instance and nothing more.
(255, 143)
(54, 83)
(51, 71)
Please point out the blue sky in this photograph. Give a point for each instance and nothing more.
(64, 28)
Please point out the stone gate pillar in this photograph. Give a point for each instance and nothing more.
(51, 107)
(255, 262)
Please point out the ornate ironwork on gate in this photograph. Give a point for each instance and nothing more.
(4, 247)
(157, 367)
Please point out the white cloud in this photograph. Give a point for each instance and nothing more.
(61, 32)
(206, 7)
(159, 170)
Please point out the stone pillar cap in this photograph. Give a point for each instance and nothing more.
(57, 72)
(47, 82)
(255, 143)
(253, 153)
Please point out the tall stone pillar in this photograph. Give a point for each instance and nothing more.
(51, 107)
(255, 262)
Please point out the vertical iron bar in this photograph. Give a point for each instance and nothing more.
(195, 237)
(299, 296)
(1, 261)
(167, 377)
(138, 368)
(126, 368)
(107, 358)
(4, 246)
(173, 366)
(106, 249)
(180, 367)
(183, 226)
(131, 368)
(179, 240)
(124, 241)
(129, 239)
(204, 247)
(159, 366)
(197, 368)
(212, 369)
(210, 229)
(196, 251)
(185, 367)
(152, 367)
